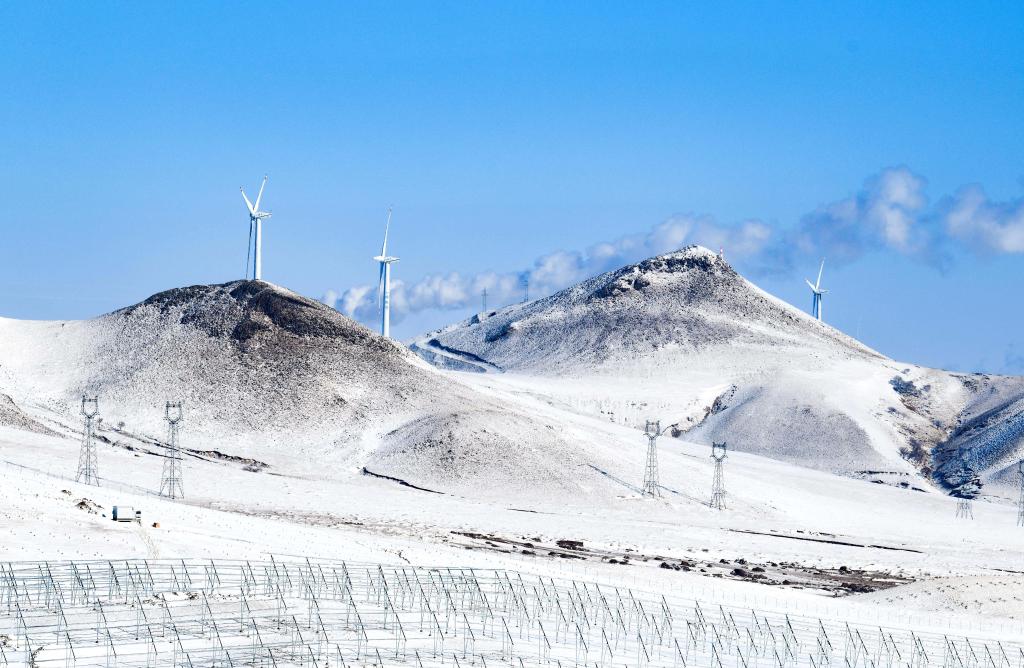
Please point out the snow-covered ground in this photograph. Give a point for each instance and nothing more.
(822, 535)
(307, 436)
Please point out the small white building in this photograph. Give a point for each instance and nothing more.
(126, 514)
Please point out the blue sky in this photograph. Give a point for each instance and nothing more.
(515, 138)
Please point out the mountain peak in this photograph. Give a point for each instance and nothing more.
(247, 309)
(657, 269)
(685, 301)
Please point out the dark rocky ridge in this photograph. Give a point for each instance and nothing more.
(240, 310)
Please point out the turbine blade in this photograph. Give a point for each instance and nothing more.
(387, 226)
(256, 206)
(818, 284)
(811, 286)
(247, 202)
(380, 289)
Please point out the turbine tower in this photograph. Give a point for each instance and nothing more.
(384, 284)
(255, 225)
(817, 292)
(170, 477)
(88, 471)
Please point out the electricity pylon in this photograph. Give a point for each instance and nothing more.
(964, 509)
(170, 478)
(651, 486)
(88, 472)
(718, 482)
(1020, 501)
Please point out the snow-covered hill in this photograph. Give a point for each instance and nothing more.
(270, 376)
(684, 338)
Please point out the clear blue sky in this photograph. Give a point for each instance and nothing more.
(502, 133)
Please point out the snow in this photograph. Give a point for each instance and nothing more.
(302, 426)
(669, 336)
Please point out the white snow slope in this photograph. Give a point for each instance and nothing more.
(287, 401)
(272, 377)
(685, 339)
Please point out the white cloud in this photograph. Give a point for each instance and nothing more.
(988, 226)
(885, 213)
(330, 298)
(892, 203)
(890, 211)
(554, 271)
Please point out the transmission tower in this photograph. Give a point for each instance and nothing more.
(964, 509)
(718, 483)
(87, 469)
(1020, 501)
(170, 478)
(651, 486)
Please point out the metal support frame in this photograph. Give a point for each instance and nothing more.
(718, 453)
(88, 468)
(171, 475)
(651, 485)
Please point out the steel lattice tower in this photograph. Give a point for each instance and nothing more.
(88, 472)
(1020, 501)
(964, 509)
(651, 486)
(170, 478)
(718, 482)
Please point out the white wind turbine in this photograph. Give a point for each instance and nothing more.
(384, 284)
(255, 223)
(817, 292)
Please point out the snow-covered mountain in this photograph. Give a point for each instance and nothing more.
(684, 338)
(272, 376)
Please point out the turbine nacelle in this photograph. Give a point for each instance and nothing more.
(254, 208)
(814, 289)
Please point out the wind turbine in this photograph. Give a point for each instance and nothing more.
(255, 222)
(817, 292)
(384, 284)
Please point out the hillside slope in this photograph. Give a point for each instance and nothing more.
(685, 339)
(272, 376)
